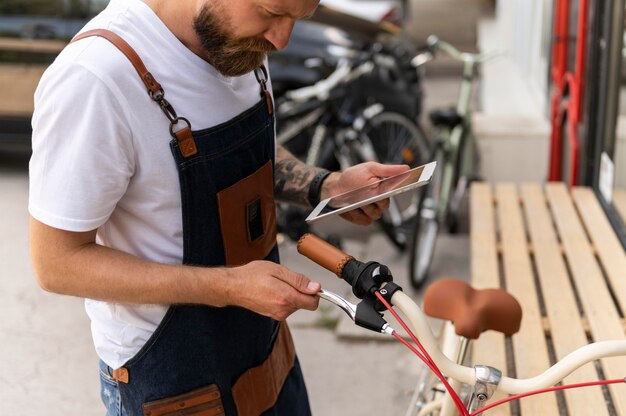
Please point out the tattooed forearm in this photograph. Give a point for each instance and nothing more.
(292, 178)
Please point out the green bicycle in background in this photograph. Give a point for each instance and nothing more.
(454, 151)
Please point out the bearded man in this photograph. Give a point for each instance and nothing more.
(153, 179)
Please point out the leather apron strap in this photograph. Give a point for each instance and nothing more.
(153, 86)
(185, 140)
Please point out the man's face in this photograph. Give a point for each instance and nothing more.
(229, 54)
(236, 35)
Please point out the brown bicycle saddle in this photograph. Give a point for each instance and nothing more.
(472, 311)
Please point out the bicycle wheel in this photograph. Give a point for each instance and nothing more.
(395, 139)
(426, 226)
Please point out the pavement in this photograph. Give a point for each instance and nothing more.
(49, 366)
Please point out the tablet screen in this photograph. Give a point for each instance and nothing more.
(384, 188)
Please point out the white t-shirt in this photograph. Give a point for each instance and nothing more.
(101, 156)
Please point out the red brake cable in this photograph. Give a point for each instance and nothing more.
(424, 356)
(546, 390)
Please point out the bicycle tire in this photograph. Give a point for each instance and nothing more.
(426, 226)
(466, 166)
(396, 139)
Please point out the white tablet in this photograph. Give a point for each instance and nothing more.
(382, 189)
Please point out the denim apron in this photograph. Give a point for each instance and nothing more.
(196, 346)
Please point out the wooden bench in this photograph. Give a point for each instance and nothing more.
(556, 252)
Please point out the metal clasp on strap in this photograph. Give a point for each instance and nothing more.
(186, 142)
(261, 76)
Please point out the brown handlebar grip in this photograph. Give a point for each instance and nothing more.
(323, 253)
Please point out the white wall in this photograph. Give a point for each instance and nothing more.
(518, 82)
(514, 92)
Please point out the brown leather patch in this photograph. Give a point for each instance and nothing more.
(186, 142)
(120, 375)
(248, 217)
(258, 388)
(205, 401)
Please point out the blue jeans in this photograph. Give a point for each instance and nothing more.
(109, 393)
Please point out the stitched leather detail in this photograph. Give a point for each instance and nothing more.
(205, 401)
(342, 264)
(258, 388)
(234, 203)
(322, 253)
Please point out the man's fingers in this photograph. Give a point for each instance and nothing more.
(372, 211)
(357, 217)
(382, 205)
(299, 282)
(309, 303)
(382, 171)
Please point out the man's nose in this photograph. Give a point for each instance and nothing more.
(280, 32)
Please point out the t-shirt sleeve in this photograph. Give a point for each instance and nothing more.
(83, 156)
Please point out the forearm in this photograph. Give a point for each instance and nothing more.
(102, 273)
(92, 271)
(292, 178)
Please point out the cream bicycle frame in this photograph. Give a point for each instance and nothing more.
(460, 374)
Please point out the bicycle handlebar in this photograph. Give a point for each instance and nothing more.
(344, 72)
(435, 44)
(335, 260)
(326, 255)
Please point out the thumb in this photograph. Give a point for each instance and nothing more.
(383, 171)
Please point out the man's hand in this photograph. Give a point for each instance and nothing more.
(360, 175)
(272, 290)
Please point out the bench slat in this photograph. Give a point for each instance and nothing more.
(530, 349)
(489, 349)
(567, 330)
(484, 257)
(595, 298)
(608, 247)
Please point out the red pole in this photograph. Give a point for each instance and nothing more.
(559, 62)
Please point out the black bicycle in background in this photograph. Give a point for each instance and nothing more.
(334, 125)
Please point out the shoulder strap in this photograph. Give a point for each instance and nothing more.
(147, 78)
(185, 140)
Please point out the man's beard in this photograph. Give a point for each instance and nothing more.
(229, 55)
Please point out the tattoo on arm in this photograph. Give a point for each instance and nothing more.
(292, 178)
